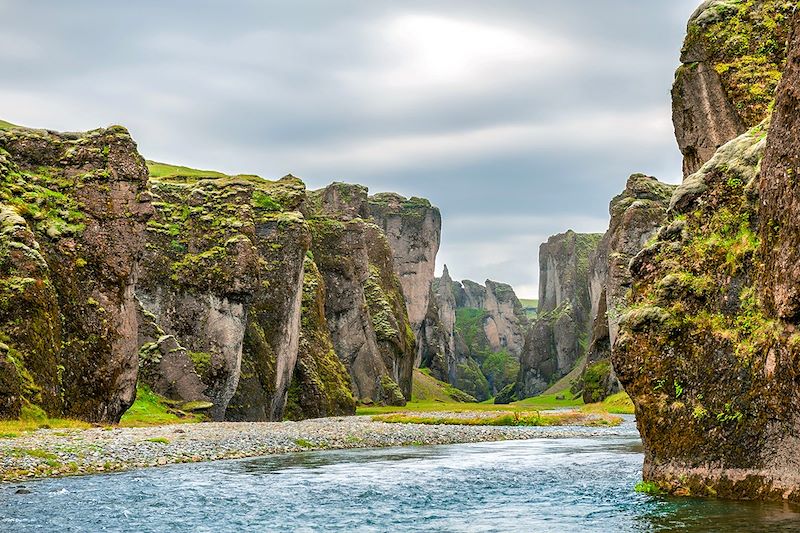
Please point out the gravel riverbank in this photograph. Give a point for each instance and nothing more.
(59, 452)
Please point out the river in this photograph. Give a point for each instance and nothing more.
(572, 484)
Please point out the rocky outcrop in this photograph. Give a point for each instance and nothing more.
(559, 336)
(636, 215)
(224, 274)
(732, 59)
(72, 213)
(439, 330)
(413, 229)
(708, 346)
(365, 307)
(321, 384)
(476, 334)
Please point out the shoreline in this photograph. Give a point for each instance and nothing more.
(48, 453)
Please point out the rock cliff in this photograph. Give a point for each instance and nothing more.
(636, 215)
(477, 335)
(731, 63)
(364, 306)
(233, 293)
(708, 347)
(559, 336)
(413, 228)
(72, 208)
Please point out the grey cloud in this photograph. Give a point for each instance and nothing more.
(272, 87)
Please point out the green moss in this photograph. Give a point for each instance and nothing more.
(746, 45)
(159, 440)
(381, 312)
(391, 394)
(649, 487)
(201, 362)
(150, 409)
(595, 378)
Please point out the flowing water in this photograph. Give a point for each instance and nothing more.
(575, 484)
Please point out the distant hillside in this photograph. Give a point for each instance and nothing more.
(530, 306)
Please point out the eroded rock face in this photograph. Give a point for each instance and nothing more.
(224, 276)
(413, 228)
(364, 304)
(732, 60)
(321, 384)
(559, 336)
(72, 208)
(636, 216)
(438, 329)
(476, 334)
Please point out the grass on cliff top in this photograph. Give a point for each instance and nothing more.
(165, 170)
(150, 409)
(7, 125)
(517, 418)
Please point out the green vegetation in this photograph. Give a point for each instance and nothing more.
(648, 487)
(165, 170)
(485, 372)
(426, 388)
(7, 125)
(515, 418)
(530, 306)
(150, 409)
(159, 440)
(33, 418)
(746, 44)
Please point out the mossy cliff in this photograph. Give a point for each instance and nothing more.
(732, 59)
(636, 215)
(72, 209)
(559, 336)
(199, 285)
(364, 303)
(475, 335)
(224, 269)
(413, 229)
(320, 384)
(708, 348)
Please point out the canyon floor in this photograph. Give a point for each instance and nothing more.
(76, 451)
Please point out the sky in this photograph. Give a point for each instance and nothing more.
(519, 119)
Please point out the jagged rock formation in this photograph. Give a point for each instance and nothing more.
(636, 215)
(708, 348)
(479, 334)
(223, 292)
(365, 308)
(732, 59)
(439, 329)
(224, 268)
(413, 228)
(72, 213)
(559, 336)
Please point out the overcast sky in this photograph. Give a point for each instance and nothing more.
(518, 118)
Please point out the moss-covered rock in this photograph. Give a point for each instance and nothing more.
(364, 302)
(732, 58)
(320, 383)
(72, 210)
(710, 369)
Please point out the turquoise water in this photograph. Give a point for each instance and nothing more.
(574, 484)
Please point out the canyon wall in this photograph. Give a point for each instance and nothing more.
(73, 208)
(707, 347)
(559, 336)
(232, 294)
(477, 334)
